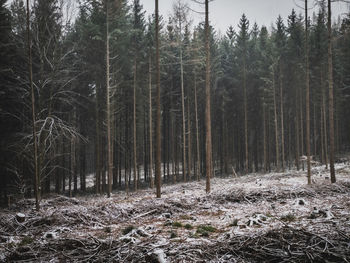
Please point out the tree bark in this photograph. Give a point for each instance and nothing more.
(150, 121)
(331, 99)
(208, 145)
(197, 130)
(109, 139)
(98, 145)
(184, 171)
(189, 148)
(134, 127)
(265, 138)
(315, 131)
(35, 142)
(282, 117)
(323, 158)
(72, 165)
(325, 128)
(275, 119)
(246, 165)
(307, 96)
(158, 119)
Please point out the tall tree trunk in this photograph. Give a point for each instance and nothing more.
(282, 116)
(183, 117)
(158, 119)
(290, 145)
(226, 148)
(75, 153)
(134, 126)
(275, 119)
(115, 154)
(72, 164)
(323, 158)
(58, 175)
(246, 165)
(307, 96)
(145, 142)
(208, 145)
(64, 165)
(189, 148)
(301, 124)
(315, 131)
(109, 139)
(173, 133)
(120, 155)
(82, 168)
(265, 138)
(297, 134)
(325, 128)
(197, 130)
(126, 154)
(330, 85)
(35, 142)
(98, 145)
(150, 121)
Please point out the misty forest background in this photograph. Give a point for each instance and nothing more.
(258, 95)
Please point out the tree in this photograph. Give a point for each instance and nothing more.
(158, 116)
(181, 20)
(265, 61)
(242, 45)
(331, 99)
(280, 42)
(208, 144)
(275, 114)
(35, 144)
(150, 113)
(318, 61)
(307, 94)
(138, 28)
(294, 63)
(108, 112)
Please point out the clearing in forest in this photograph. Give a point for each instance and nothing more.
(253, 218)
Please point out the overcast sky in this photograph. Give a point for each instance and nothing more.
(224, 13)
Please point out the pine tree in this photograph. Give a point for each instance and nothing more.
(242, 46)
(280, 42)
(307, 94)
(35, 145)
(331, 99)
(138, 27)
(108, 112)
(208, 142)
(158, 116)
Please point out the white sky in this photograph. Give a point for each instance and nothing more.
(224, 13)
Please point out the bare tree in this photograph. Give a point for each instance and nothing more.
(35, 142)
(109, 139)
(150, 120)
(158, 118)
(282, 116)
(331, 99)
(275, 118)
(197, 130)
(134, 124)
(307, 94)
(180, 16)
(208, 145)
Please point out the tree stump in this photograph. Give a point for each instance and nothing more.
(20, 217)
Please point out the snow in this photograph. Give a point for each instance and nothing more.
(249, 205)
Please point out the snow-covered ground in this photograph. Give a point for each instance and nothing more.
(256, 217)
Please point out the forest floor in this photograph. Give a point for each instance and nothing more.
(273, 217)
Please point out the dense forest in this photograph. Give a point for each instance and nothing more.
(134, 138)
(89, 84)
